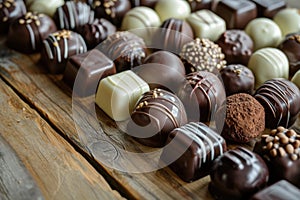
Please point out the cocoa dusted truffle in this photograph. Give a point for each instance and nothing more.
(157, 113)
(245, 118)
(27, 33)
(281, 150)
(9, 11)
(237, 79)
(58, 47)
(202, 55)
(126, 49)
(236, 45)
(237, 174)
(96, 32)
(280, 98)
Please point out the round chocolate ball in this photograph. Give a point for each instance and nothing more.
(288, 20)
(178, 9)
(199, 4)
(280, 98)
(237, 174)
(237, 79)
(47, 7)
(27, 33)
(236, 45)
(157, 113)
(296, 78)
(147, 3)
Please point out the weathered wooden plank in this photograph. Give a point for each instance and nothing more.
(58, 170)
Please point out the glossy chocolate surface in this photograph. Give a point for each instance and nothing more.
(237, 46)
(199, 4)
(280, 98)
(204, 145)
(237, 174)
(156, 114)
(269, 8)
(147, 3)
(88, 69)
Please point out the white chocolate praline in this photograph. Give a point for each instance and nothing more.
(118, 94)
(296, 79)
(264, 33)
(206, 24)
(179, 9)
(268, 63)
(47, 7)
(288, 20)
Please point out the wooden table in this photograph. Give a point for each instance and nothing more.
(43, 156)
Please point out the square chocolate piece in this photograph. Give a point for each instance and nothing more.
(236, 13)
(268, 8)
(87, 69)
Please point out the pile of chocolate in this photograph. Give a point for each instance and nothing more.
(200, 73)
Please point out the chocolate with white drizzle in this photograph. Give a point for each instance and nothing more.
(26, 34)
(280, 98)
(58, 47)
(203, 146)
(280, 148)
(156, 114)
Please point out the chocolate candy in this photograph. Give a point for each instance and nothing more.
(112, 10)
(237, 79)
(236, 45)
(264, 33)
(118, 94)
(9, 11)
(291, 47)
(245, 118)
(203, 146)
(236, 13)
(203, 94)
(268, 63)
(96, 32)
(156, 114)
(47, 7)
(281, 190)
(202, 55)
(125, 49)
(33, 29)
(280, 98)
(58, 47)
(87, 69)
(147, 3)
(206, 24)
(267, 8)
(281, 151)
(178, 9)
(288, 20)
(237, 174)
(296, 79)
(199, 4)
(73, 14)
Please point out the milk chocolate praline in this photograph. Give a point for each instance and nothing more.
(199, 4)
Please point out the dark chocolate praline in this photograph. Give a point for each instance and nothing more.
(200, 4)
(237, 46)
(267, 8)
(280, 98)
(237, 175)
(147, 3)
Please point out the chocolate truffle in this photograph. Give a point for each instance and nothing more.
(296, 79)
(47, 7)
(199, 4)
(58, 47)
(236, 13)
(27, 33)
(125, 49)
(288, 20)
(236, 45)
(156, 114)
(281, 151)
(73, 14)
(202, 145)
(87, 69)
(206, 24)
(291, 47)
(280, 98)
(264, 33)
(267, 8)
(9, 11)
(237, 174)
(202, 55)
(96, 32)
(112, 10)
(237, 79)
(268, 63)
(174, 33)
(281, 190)
(178, 9)
(203, 94)
(147, 3)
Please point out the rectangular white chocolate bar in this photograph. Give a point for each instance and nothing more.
(118, 94)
